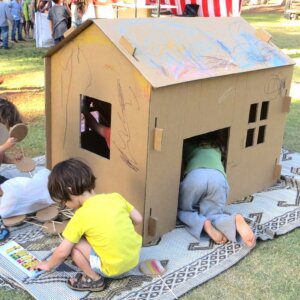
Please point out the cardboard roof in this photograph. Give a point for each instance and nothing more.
(175, 50)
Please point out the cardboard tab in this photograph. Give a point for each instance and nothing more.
(68, 32)
(263, 35)
(152, 226)
(277, 171)
(158, 135)
(286, 104)
(127, 46)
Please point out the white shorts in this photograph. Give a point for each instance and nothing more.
(95, 263)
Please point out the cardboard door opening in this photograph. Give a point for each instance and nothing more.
(95, 123)
(218, 138)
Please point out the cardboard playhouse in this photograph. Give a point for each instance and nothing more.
(156, 83)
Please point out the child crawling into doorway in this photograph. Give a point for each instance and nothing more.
(204, 190)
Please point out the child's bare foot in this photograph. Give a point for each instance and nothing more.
(217, 236)
(245, 231)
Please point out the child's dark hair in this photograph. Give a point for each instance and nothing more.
(9, 114)
(70, 177)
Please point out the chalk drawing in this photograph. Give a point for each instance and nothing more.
(124, 136)
(184, 51)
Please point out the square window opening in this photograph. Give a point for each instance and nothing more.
(261, 134)
(216, 139)
(250, 137)
(252, 113)
(95, 124)
(264, 110)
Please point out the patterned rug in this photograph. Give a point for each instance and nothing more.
(190, 263)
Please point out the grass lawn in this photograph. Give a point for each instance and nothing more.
(272, 270)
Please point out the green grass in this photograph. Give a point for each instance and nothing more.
(22, 58)
(292, 128)
(272, 270)
(285, 34)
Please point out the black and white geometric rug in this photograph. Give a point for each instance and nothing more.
(273, 212)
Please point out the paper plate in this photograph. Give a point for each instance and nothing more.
(47, 214)
(18, 131)
(26, 164)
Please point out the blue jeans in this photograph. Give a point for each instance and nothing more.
(202, 196)
(16, 26)
(4, 36)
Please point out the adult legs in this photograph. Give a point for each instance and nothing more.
(19, 28)
(13, 30)
(27, 28)
(81, 256)
(4, 34)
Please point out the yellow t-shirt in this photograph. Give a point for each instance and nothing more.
(104, 220)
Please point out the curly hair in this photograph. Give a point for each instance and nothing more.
(9, 114)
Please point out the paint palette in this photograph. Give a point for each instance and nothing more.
(21, 258)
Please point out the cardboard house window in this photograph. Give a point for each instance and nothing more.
(264, 110)
(218, 138)
(250, 137)
(252, 113)
(95, 123)
(261, 134)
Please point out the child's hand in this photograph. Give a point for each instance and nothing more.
(9, 143)
(43, 265)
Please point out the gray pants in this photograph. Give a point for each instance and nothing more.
(203, 195)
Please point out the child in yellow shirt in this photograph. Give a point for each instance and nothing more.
(100, 237)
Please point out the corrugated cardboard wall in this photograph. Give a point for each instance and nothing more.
(194, 108)
(91, 65)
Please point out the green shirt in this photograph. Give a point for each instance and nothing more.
(197, 157)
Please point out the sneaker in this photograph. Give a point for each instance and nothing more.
(14, 40)
(21, 40)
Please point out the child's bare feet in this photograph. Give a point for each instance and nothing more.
(245, 231)
(217, 236)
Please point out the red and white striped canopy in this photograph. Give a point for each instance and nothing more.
(208, 8)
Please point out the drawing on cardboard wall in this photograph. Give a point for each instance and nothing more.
(95, 122)
(124, 134)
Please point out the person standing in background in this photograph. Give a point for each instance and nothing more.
(5, 15)
(27, 12)
(16, 12)
(59, 15)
